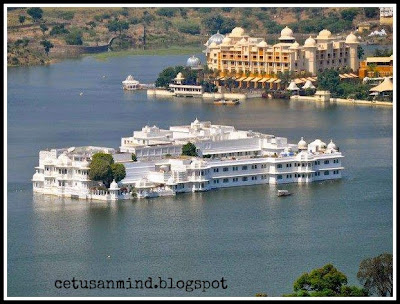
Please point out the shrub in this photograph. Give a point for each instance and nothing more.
(189, 28)
(58, 30)
(166, 11)
(74, 38)
(68, 15)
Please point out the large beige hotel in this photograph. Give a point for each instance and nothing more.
(239, 54)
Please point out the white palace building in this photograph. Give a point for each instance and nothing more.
(226, 158)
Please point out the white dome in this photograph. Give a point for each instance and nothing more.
(302, 144)
(196, 121)
(351, 38)
(179, 76)
(286, 34)
(226, 40)
(193, 62)
(324, 34)
(216, 38)
(262, 44)
(310, 42)
(114, 185)
(295, 45)
(332, 145)
(237, 32)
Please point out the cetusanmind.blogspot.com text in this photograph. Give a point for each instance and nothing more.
(149, 283)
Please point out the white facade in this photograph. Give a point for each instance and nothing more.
(227, 158)
(65, 172)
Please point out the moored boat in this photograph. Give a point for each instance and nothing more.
(284, 193)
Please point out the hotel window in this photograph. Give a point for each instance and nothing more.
(216, 170)
(225, 169)
(279, 177)
(235, 179)
(254, 178)
(235, 168)
(225, 180)
(244, 167)
(303, 175)
(279, 166)
(326, 173)
(303, 164)
(326, 162)
(253, 166)
(244, 178)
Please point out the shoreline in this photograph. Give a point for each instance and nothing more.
(343, 101)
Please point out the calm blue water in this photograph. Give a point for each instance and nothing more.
(257, 242)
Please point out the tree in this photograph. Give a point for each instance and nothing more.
(43, 28)
(118, 172)
(329, 80)
(47, 46)
(74, 37)
(349, 14)
(189, 149)
(117, 26)
(167, 75)
(21, 19)
(100, 168)
(324, 282)
(166, 11)
(134, 158)
(35, 12)
(217, 22)
(360, 52)
(58, 29)
(376, 274)
(371, 12)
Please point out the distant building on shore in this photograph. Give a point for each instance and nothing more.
(386, 15)
(376, 67)
(240, 54)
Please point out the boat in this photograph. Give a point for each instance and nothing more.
(227, 102)
(284, 193)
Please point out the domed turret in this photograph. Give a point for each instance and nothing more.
(193, 62)
(332, 145)
(85, 163)
(114, 185)
(213, 45)
(310, 42)
(237, 32)
(324, 34)
(216, 38)
(302, 145)
(226, 40)
(351, 38)
(63, 159)
(286, 35)
(262, 44)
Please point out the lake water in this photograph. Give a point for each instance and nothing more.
(255, 240)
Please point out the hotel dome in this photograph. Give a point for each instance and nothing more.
(216, 38)
(237, 32)
(310, 42)
(351, 38)
(286, 35)
(332, 145)
(114, 185)
(262, 44)
(324, 34)
(302, 145)
(226, 40)
(193, 62)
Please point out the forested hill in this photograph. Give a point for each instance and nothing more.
(160, 27)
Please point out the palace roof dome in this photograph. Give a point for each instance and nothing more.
(286, 34)
(310, 42)
(351, 38)
(237, 32)
(262, 44)
(302, 144)
(226, 40)
(324, 34)
(114, 185)
(216, 38)
(332, 145)
(193, 62)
